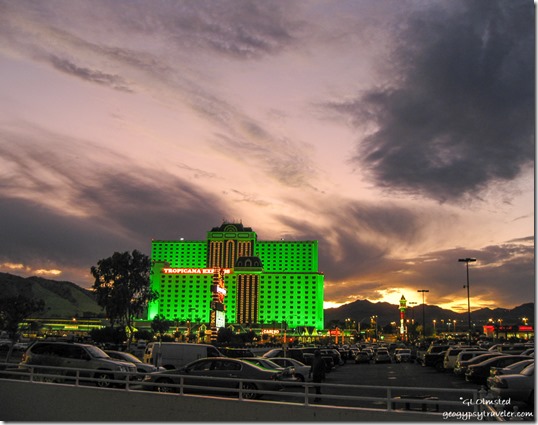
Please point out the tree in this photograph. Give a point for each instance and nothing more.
(225, 335)
(122, 287)
(160, 325)
(13, 310)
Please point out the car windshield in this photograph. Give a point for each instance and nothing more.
(129, 357)
(96, 352)
(517, 365)
(271, 364)
(528, 371)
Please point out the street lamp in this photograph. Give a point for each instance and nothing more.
(423, 291)
(467, 261)
(434, 329)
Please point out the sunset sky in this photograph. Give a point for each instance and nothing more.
(397, 133)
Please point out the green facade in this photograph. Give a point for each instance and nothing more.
(287, 288)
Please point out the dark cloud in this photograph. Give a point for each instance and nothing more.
(358, 256)
(96, 209)
(458, 111)
(359, 236)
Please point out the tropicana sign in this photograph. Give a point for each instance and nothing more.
(193, 271)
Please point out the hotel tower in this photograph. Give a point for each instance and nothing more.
(264, 282)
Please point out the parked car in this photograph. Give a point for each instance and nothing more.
(141, 367)
(335, 354)
(510, 348)
(236, 353)
(288, 373)
(516, 387)
(433, 356)
(474, 358)
(293, 353)
(451, 355)
(528, 352)
(362, 357)
(226, 373)
(402, 355)
(99, 366)
(302, 371)
(479, 372)
(304, 355)
(382, 356)
(370, 352)
(508, 370)
(174, 355)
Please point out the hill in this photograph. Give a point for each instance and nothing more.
(62, 299)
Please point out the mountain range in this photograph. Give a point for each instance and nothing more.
(362, 310)
(66, 300)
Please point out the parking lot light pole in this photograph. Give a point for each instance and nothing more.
(467, 261)
(423, 291)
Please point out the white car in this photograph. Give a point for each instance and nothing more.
(402, 355)
(516, 387)
(301, 370)
(382, 356)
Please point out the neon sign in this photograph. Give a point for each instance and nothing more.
(193, 271)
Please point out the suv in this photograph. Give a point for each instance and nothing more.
(77, 356)
(451, 355)
(434, 356)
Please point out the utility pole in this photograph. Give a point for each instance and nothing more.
(467, 261)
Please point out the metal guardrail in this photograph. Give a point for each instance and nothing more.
(421, 400)
(425, 400)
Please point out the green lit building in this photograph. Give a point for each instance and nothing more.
(266, 282)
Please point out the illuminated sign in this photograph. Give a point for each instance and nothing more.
(220, 319)
(193, 271)
(270, 331)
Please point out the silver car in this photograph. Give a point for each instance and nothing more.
(516, 387)
(226, 373)
(302, 371)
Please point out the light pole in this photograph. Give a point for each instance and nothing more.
(467, 261)
(423, 291)
(434, 329)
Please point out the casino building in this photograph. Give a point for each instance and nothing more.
(265, 282)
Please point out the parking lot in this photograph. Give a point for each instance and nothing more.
(375, 385)
(354, 381)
